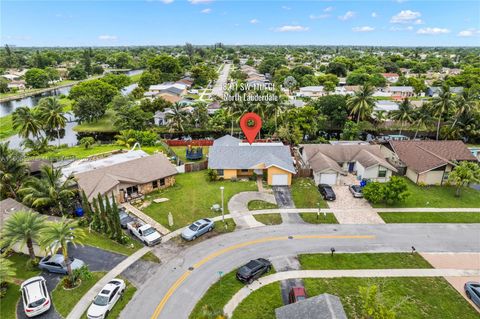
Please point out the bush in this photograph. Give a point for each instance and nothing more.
(212, 175)
(373, 192)
(395, 190)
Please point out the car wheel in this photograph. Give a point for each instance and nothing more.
(146, 244)
(106, 314)
(194, 237)
(210, 229)
(268, 268)
(250, 281)
(468, 294)
(131, 232)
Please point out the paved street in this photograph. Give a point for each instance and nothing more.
(173, 289)
(221, 81)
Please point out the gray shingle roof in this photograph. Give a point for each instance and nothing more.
(230, 153)
(324, 306)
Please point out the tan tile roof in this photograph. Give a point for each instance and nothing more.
(422, 156)
(137, 171)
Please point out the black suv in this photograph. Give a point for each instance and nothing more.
(327, 192)
(253, 270)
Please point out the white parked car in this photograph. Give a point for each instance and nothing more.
(35, 297)
(106, 299)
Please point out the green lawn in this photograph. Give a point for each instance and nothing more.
(22, 271)
(260, 204)
(221, 229)
(437, 196)
(269, 219)
(362, 261)
(65, 300)
(412, 298)
(191, 198)
(105, 124)
(8, 304)
(305, 194)
(95, 239)
(454, 217)
(260, 304)
(181, 153)
(312, 218)
(135, 78)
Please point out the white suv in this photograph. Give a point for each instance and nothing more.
(35, 296)
(106, 299)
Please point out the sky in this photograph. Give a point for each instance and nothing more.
(171, 22)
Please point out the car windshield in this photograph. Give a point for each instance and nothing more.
(37, 303)
(193, 227)
(300, 298)
(100, 300)
(148, 231)
(357, 188)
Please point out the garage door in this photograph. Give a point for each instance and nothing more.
(280, 179)
(329, 179)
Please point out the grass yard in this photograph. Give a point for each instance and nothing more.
(22, 271)
(362, 261)
(411, 297)
(260, 204)
(191, 198)
(181, 153)
(8, 304)
(269, 219)
(65, 300)
(104, 124)
(437, 196)
(221, 229)
(95, 239)
(305, 193)
(321, 219)
(260, 304)
(453, 217)
(135, 78)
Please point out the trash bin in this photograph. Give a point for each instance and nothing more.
(79, 212)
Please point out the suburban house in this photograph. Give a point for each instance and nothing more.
(232, 158)
(385, 105)
(401, 91)
(391, 77)
(433, 91)
(430, 162)
(127, 176)
(311, 91)
(324, 306)
(213, 107)
(171, 91)
(330, 162)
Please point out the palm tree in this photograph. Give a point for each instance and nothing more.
(126, 138)
(13, 171)
(59, 234)
(442, 105)
(403, 114)
(177, 118)
(421, 117)
(24, 228)
(277, 108)
(40, 145)
(51, 191)
(52, 116)
(362, 102)
(466, 103)
(381, 116)
(25, 120)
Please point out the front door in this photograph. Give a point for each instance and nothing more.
(351, 167)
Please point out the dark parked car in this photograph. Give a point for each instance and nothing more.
(297, 294)
(356, 191)
(253, 270)
(472, 289)
(125, 218)
(327, 192)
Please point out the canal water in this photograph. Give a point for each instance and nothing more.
(70, 138)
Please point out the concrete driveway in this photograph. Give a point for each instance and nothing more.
(239, 203)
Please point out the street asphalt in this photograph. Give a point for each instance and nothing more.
(174, 288)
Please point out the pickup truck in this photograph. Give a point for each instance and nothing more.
(145, 232)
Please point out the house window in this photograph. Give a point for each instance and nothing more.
(382, 173)
(132, 190)
(244, 170)
(162, 182)
(220, 172)
(155, 184)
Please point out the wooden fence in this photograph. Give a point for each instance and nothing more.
(191, 142)
(195, 167)
(304, 172)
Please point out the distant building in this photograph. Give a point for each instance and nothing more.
(385, 105)
(311, 91)
(391, 77)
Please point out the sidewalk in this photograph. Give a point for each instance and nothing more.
(162, 229)
(239, 204)
(359, 273)
(83, 304)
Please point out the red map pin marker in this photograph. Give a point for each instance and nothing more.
(251, 124)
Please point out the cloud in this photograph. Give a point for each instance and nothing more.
(320, 16)
(407, 16)
(409, 28)
(167, 1)
(433, 31)
(348, 15)
(206, 11)
(286, 8)
(363, 29)
(254, 21)
(291, 28)
(107, 37)
(374, 15)
(328, 9)
(400, 1)
(199, 1)
(468, 33)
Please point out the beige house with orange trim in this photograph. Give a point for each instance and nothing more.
(232, 158)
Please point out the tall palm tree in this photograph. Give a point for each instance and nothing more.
(277, 107)
(177, 118)
(421, 117)
(23, 228)
(52, 116)
(51, 191)
(58, 235)
(13, 171)
(403, 114)
(25, 120)
(381, 116)
(442, 105)
(465, 103)
(362, 102)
